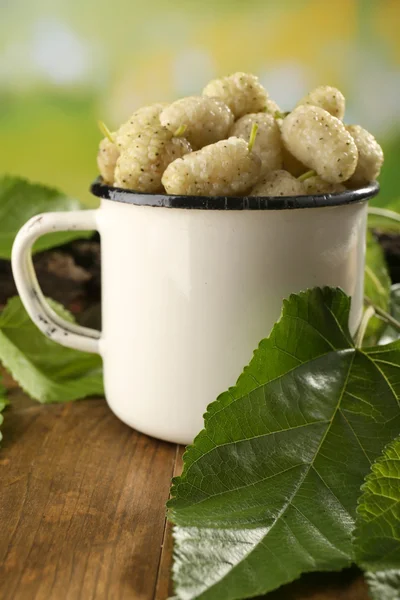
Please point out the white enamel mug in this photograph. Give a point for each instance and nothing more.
(191, 285)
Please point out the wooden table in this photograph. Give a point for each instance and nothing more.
(82, 512)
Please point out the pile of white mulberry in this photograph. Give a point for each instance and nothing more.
(233, 140)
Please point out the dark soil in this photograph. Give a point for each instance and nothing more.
(390, 243)
(69, 274)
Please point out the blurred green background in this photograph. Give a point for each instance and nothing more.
(66, 63)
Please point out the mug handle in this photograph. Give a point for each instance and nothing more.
(53, 326)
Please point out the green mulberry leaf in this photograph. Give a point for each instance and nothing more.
(384, 585)
(270, 486)
(377, 536)
(20, 200)
(390, 334)
(46, 371)
(376, 286)
(385, 218)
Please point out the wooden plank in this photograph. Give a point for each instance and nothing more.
(82, 510)
(164, 587)
(81, 504)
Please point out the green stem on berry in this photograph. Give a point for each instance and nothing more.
(105, 131)
(180, 131)
(306, 175)
(253, 135)
(281, 115)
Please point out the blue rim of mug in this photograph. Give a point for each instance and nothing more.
(101, 190)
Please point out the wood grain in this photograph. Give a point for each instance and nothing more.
(164, 587)
(81, 504)
(82, 514)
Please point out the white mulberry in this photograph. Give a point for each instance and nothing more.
(328, 98)
(272, 107)
(242, 92)
(370, 156)
(291, 164)
(107, 157)
(316, 185)
(142, 163)
(226, 168)
(268, 143)
(278, 183)
(320, 141)
(207, 120)
(143, 117)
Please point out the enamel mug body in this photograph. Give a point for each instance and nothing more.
(191, 285)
